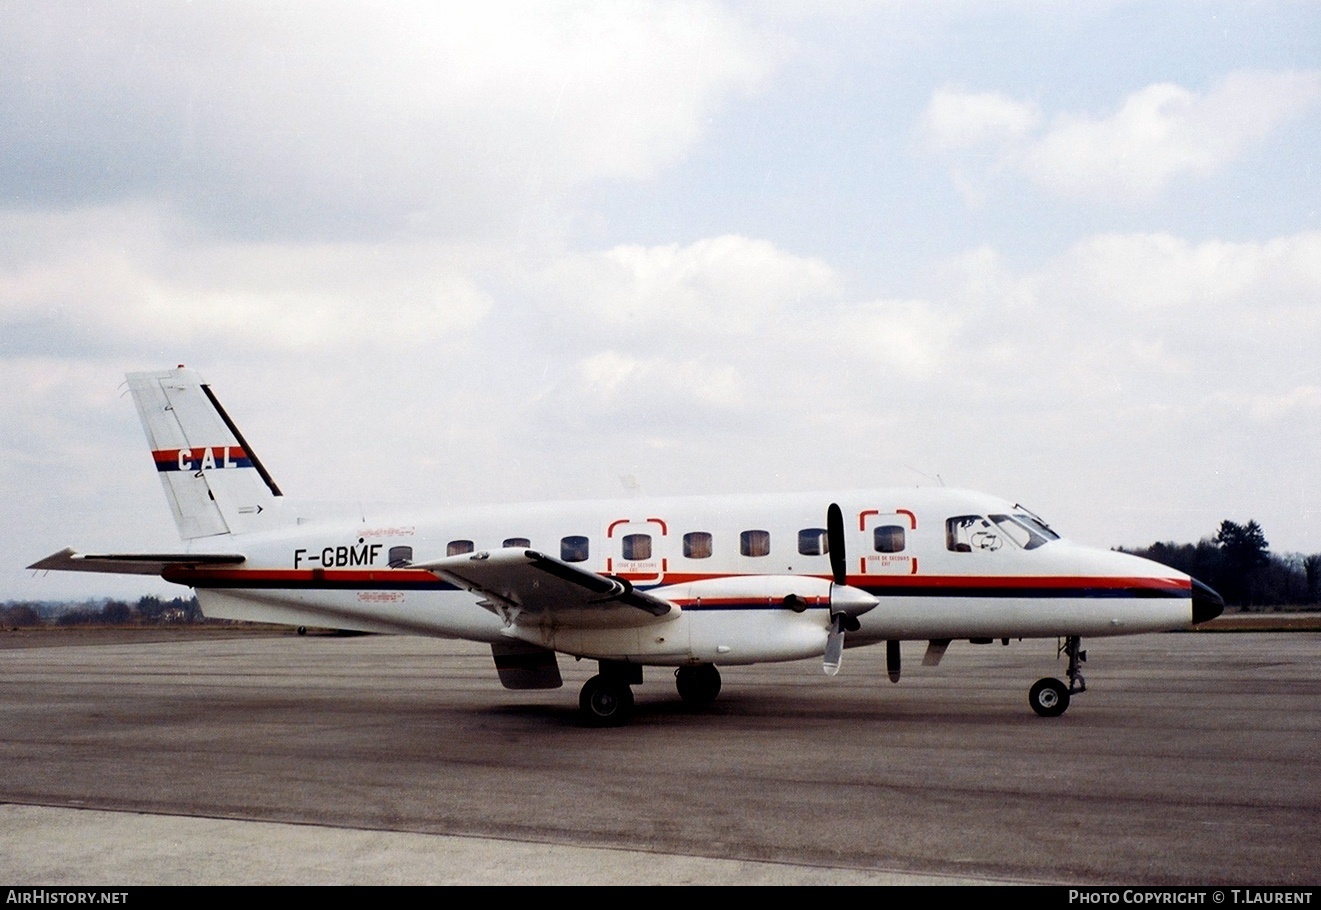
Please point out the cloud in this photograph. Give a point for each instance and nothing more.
(1301, 403)
(624, 383)
(718, 285)
(907, 339)
(1146, 318)
(956, 119)
(115, 280)
(349, 120)
(1159, 135)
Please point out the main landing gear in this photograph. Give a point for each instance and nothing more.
(1049, 697)
(606, 700)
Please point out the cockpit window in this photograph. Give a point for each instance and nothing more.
(1019, 532)
(1034, 521)
(965, 533)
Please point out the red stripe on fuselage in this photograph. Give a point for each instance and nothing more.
(381, 578)
(295, 578)
(955, 581)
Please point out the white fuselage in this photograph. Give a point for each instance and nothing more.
(939, 562)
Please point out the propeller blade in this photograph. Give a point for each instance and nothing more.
(834, 645)
(835, 543)
(892, 659)
(838, 571)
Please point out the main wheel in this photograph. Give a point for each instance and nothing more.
(1048, 697)
(605, 702)
(698, 685)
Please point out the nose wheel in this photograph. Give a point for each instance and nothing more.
(698, 685)
(1050, 697)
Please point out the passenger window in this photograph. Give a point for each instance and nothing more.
(516, 542)
(637, 546)
(888, 539)
(697, 545)
(965, 533)
(755, 543)
(813, 542)
(399, 557)
(458, 547)
(573, 549)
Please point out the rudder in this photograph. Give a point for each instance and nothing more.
(212, 479)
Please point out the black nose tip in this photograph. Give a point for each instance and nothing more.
(1207, 604)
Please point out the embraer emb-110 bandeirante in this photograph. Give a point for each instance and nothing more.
(689, 583)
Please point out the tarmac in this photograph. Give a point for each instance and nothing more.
(141, 758)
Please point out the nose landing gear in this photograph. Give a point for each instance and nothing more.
(698, 685)
(1049, 697)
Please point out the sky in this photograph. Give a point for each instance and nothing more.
(454, 253)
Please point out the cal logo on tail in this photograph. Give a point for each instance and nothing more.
(214, 482)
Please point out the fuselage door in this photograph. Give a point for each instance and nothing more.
(884, 542)
(636, 549)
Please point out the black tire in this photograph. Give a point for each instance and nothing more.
(605, 702)
(1048, 697)
(698, 685)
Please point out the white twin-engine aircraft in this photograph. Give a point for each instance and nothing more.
(690, 583)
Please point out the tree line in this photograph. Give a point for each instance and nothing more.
(1238, 563)
(146, 611)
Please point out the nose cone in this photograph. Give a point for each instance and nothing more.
(1207, 604)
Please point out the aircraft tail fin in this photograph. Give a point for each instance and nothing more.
(213, 480)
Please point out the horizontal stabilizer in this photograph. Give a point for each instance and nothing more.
(68, 560)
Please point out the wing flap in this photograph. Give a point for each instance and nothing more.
(525, 666)
(69, 560)
(530, 587)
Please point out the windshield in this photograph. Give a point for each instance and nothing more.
(967, 533)
(1020, 532)
(1034, 521)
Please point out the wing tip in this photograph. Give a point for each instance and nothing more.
(58, 560)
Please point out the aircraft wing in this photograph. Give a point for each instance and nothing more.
(68, 560)
(534, 588)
